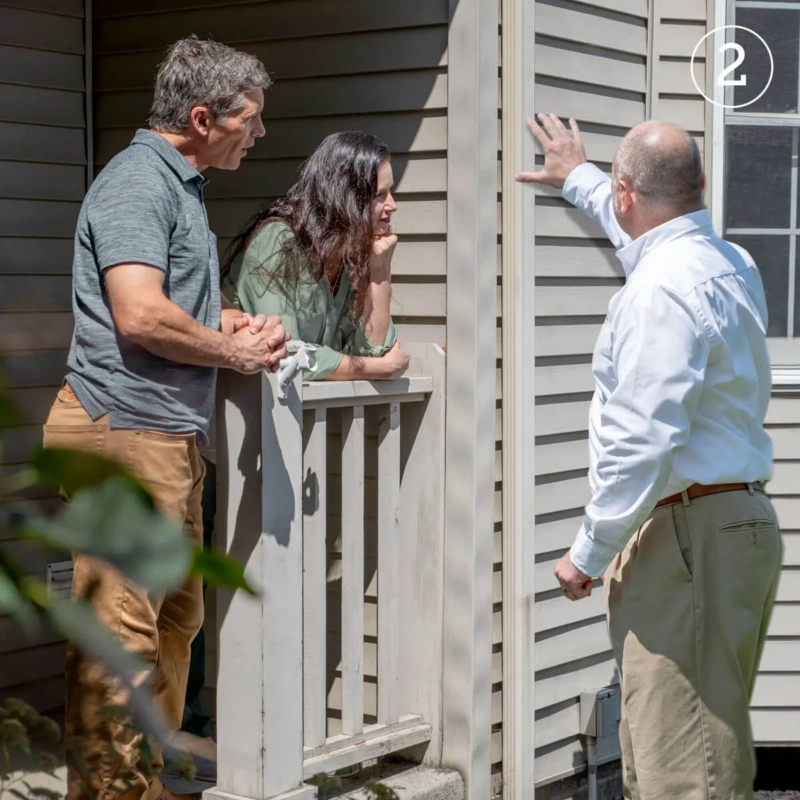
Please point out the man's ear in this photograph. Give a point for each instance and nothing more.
(625, 195)
(200, 119)
(703, 182)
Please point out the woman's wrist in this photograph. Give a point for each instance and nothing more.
(380, 273)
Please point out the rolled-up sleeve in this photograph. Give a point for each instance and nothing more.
(360, 345)
(660, 357)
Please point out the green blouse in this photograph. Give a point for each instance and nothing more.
(311, 313)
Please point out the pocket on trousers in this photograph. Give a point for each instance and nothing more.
(683, 541)
(760, 530)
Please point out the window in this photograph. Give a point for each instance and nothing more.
(762, 149)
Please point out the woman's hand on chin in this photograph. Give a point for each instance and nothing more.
(380, 262)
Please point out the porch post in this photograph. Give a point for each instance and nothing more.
(470, 426)
(260, 657)
(518, 394)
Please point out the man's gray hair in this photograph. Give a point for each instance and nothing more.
(202, 73)
(662, 173)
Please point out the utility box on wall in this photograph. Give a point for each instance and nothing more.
(600, 716)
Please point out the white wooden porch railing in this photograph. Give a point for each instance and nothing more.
(290, 700)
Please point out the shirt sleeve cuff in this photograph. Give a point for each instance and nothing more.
(328, 361)
(582, 181)
(590, 556)
(362, 346)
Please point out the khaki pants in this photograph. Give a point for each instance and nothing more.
(102, 754)
(689, 601)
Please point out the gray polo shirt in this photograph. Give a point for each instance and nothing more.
(145, 207)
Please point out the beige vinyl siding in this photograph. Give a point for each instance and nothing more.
(337, 65)
(678, 25)
(42, 182)
(591, 64)
(776, 699)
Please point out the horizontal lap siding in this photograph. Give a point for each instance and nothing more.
(591, 64)
(776, 698)
(42, 183)
(337, 65)
(678, 27)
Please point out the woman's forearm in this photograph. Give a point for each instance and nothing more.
(359, 368)
(377, 315)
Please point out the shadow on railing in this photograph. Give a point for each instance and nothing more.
(334, 499)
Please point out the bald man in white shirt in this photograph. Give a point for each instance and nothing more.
(678, 521)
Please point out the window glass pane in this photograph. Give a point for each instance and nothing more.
(758, 177)
(781, 31)
(771, 254)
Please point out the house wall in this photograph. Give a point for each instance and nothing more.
(590, 64)
(42, 182)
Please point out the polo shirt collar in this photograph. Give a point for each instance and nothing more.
(172, 157)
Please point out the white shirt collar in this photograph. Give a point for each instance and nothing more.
(633, 253)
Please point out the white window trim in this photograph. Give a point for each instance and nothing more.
(785, 376)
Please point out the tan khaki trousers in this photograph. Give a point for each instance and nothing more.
(102, 755)
(688, 603)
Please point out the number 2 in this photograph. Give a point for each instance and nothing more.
(732, 68)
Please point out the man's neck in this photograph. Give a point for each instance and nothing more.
(185, 147)
(661, 217)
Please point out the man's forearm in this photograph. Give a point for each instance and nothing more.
(377, 312)
(589, 189)
(167, 331)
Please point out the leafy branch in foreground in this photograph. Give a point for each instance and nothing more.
(19, 723)
(110, 516)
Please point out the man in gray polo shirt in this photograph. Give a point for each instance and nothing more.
(151, 329)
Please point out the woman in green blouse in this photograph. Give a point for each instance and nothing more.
(321, 258)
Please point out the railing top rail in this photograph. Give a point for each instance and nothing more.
(333, 394)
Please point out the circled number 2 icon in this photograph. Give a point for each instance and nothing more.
(727, 76)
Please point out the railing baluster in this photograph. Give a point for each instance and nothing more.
(353, 570)
(388, 564)
(315, 512)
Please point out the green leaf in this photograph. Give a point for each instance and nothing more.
(13, 599)
(72, 470)
(111, 521)
(218, 569)
(76, 620)
(9, 415)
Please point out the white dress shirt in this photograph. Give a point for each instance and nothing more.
(681, 371)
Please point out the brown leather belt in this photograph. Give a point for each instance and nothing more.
(699, 490)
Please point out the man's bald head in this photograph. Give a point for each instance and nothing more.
(662, 164)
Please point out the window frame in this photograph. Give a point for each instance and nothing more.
(784, 352)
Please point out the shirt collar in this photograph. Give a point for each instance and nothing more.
(174, 160)
(688, 224)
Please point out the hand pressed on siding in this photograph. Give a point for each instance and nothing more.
(562, 152)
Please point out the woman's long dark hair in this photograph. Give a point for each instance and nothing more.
(329, 211)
